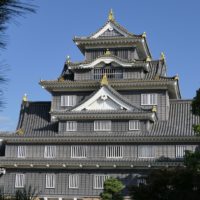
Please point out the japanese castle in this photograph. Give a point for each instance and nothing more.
(115, 114)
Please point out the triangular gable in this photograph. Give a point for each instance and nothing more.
(109, 29)
(105, 99)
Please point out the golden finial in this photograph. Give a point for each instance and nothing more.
(148, 59)
(162, 56)
(25, 99)
(176, 77)
(107, 52)
(157, 77)
(20, 131)
(68, 59)
(154, 109)
(111, 16)
(61, 79)
(144, 35)
(104, 80)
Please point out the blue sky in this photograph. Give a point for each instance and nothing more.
(39, 43)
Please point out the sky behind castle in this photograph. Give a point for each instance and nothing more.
(39, 43)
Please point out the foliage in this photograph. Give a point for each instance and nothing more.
(112, 189)
(169, 184)
(26, 194)
(196, 110)
(192, 159)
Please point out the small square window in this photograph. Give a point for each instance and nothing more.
(73, 181)
(134, 125)
(19, 180)
(102, 125)
(50, 180)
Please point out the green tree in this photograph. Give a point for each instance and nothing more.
(196, 110)
(112, 189)
(9, 11)
(26, 194)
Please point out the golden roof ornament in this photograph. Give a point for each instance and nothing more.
(20, 131)
(154, 109)
(68, 59)
(148, 59)
(111, 16)
(144, 35)
(176, 77)
(107, 52)
(25, 99)
(61, 79)
(104, 80)
(162, 56)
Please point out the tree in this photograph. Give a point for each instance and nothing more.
(26, 194)
(196, 110)
(9, 10)
(112, 189)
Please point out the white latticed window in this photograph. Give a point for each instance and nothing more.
(149, 99)
(146, 151)
(102, 125)
(110, 73)
(114, 151)
(71, 126)
(50, 180)
(78, 151)
(73, 181)
(134, 125)
(21, 151)
(68, 100)
(141, 181)
(180, 151)
(50, 151)
(19, 180)
(99, 181)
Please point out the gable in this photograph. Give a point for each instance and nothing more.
(109, 30)
(104, 99)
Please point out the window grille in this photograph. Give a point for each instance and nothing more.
(78, 151)
(134, 125)
(180, 151)
(104, 125)
(19, 180)
(146, 151)
(50, 151)
(141, 181)
(71, 126)
(68, 100)
(50, 180)
(21, 151)
(99, 181)
(114, 151)
(110, 73)
(73, 181)
(149, 99)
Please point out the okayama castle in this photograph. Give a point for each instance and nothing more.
(115, 114)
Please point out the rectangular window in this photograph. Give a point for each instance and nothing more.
(68, 100)
(146, 151)
(180, 151)
(114, 151)
(110, 73)
(50, 151)
(71, 126)
(21, 151)
(73, 181)
(141, 181)
(99, 181)
(50, 180)
(78, 151)
(19, 180)
(149, 99)
(102, 125)
(134, 125)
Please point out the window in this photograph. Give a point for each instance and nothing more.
(104, 125)
(99, 181)
(114, 151)
(50, 180)
(141, 181)
(71, 126)
(78, 151)
(50, 151)
(68, 100)
(110, 73)
(21, 151)
(19, 180)
(73, 181)
(180, 151)
(134, 125)
(149, 99)
(146, 151)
